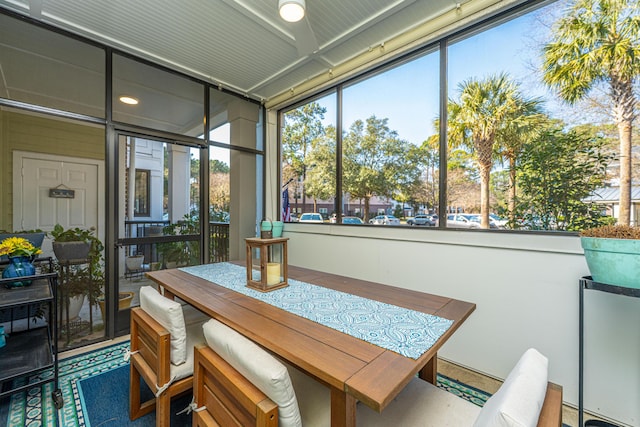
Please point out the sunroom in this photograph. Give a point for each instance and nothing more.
(173, 132)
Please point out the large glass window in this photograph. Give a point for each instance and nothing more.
(44, 68)
(309, 158)
(536, 137)
(519, 157)
(147, 96)
(390, 143)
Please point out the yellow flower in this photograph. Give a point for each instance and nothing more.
(18, 246)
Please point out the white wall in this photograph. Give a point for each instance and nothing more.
(526, 290)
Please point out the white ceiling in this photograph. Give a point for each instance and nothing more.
(242, 45)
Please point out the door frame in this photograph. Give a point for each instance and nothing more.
(19, 156)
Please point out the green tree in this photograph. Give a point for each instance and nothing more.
(375, 161)
(320, 182)
(598, 42)
(475, 119)
(302, 126)
(524, 124)
(557, 171)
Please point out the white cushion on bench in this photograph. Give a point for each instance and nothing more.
(421, 404)
(425, 405)
(519, 400)
(256, 365)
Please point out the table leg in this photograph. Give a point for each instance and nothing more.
(430, 371)
(343, 409)
(168, 294)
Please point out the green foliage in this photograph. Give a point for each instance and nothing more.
(557, 171)
(87, 279)
(181, 252)
(376, 162)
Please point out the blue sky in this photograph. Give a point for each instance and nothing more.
(408, 95)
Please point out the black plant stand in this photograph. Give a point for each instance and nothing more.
(587, 283)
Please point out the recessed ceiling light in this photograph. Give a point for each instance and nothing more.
(128, 100)
(291, 10)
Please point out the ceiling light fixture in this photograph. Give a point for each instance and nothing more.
(128, 100)
(291, 10)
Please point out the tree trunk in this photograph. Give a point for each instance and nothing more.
(624, 131)
(624, 102)
(485, 174)
(366, 209)
(511, 203)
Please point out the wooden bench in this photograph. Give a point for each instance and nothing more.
(229, 399)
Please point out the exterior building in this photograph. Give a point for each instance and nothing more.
(609, 198)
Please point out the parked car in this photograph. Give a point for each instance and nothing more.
(500, 222)
(311, 217)
(352, 220)
(461, 221)
(478, 219)
(421, 220)
(384, 220)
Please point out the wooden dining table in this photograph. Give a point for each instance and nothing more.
(353, 369)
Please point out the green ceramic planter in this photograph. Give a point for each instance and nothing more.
(613, 261)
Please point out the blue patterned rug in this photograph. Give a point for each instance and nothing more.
(407, 332)
(80, 374)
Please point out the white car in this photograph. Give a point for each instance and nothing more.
(384, 220)
(500, 222)
(478, 218)
(311, 217)
(461, 221)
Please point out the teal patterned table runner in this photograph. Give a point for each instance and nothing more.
(404, 331)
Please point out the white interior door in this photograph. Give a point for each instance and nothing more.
(35, 174)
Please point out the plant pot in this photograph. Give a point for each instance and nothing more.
(124, 301)
(613, 261)
(134, 263)
(19, 266)
(75, 305)
(71, 251)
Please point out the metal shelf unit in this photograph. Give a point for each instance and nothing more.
(29, 316)
(586, 282)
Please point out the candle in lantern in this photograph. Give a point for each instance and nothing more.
(273, 273)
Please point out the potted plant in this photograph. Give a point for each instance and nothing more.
(80, 265)
(73, 243)
(20, 252)
(612, 253)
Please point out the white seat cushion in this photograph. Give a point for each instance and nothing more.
(519, 400)
(421, 404)
(195, 337)
(256, 365)
(169, 314)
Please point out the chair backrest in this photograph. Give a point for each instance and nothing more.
(169, 314)
(258, 367)
(519, 400)
(225, 397)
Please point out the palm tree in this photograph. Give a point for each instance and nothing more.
(475, 120)
(525, 124)
(598, 41)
